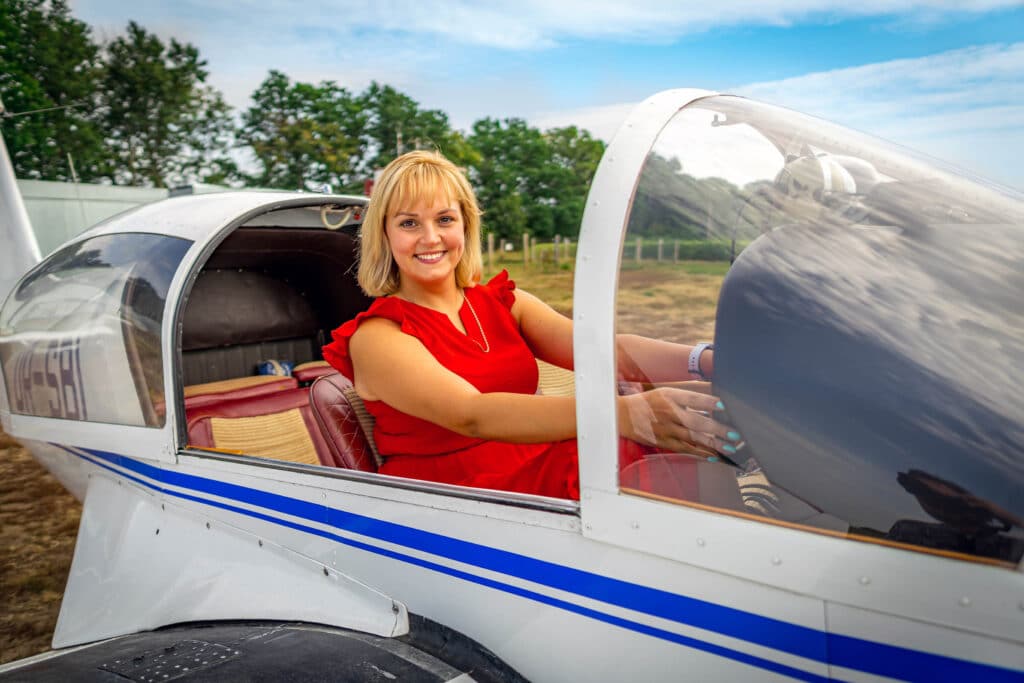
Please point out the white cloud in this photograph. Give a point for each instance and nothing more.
(965, 106)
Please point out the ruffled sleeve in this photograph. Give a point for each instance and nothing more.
(336, 353)
(501, 287)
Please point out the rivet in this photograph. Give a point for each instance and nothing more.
(865, 580)
(162, 507)
(260, 541)
(965, 601)
(325, 572)
(700, 542)
(207, 525)
(157, 532)
(776, 560)
(394, 607)
(324, 495)
(588, 527)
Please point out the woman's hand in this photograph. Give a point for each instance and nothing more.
(675, 419)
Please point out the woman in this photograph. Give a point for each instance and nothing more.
(447, 365)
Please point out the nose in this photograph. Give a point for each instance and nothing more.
(431, 233)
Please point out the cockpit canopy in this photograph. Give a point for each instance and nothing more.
(869, 332)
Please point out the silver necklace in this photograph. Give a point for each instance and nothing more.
(486, 347)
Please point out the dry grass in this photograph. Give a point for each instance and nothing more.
(38, 524)
(39, 519)
(664, 300)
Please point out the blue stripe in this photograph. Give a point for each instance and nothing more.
(852, 653)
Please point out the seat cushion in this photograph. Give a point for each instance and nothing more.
(307, 372)
(333, 409)
(277, 425)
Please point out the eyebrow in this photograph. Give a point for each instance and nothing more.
(448, 209)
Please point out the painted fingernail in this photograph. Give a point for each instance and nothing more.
(720, 405)
(733, 436)
(713, 458)
(728, 448)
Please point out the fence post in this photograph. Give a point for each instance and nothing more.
(526, 248)
(675, 252)
(639, 249)
(533, 249)
(568, 250)
(558, 243)
(490, 250)
(661, 243)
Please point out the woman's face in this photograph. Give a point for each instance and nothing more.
(426, 240)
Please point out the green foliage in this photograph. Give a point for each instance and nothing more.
(48, 59)
(161, 123)
(528, 181)
(396, 124)
(304, 135)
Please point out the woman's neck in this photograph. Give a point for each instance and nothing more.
(446, 298)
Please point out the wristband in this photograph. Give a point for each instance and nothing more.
(693, 363)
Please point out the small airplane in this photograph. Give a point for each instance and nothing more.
(869, 347)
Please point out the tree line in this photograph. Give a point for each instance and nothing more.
(139, 111)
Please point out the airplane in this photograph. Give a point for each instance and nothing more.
(868, 347)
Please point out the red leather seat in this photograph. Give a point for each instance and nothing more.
(199, 395)
(338, 420)
(308, 372)
(278, 425)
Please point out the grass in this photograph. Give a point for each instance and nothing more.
(673, 301)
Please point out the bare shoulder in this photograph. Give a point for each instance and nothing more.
(372, 332)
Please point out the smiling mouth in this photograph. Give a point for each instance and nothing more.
(430, 257)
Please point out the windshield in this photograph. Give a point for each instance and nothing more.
(865, 309)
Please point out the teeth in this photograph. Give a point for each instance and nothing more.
(432, 257)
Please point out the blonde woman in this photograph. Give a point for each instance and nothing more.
(447, 365)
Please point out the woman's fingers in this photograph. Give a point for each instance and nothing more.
(691, 418)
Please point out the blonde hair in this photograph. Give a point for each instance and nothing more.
(406, 179)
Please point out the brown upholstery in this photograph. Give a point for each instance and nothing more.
(199, 395)
(277, 425)
(350, 445)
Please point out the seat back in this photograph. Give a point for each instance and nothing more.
(346, 426)
(277, 425)
(208, 393)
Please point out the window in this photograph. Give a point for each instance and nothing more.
(868, 347)
(80, 335)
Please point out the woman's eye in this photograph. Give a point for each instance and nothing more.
(447, 220)
(408, 223)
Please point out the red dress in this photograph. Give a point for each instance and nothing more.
(419, 449)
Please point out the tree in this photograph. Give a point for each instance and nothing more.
(549, 174)
(163, 125)
(396, 124)
(575, 156)
(304, 135)
(47, 62)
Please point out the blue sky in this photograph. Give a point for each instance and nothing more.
(946, 78)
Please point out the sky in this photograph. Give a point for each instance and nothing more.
(943, 77)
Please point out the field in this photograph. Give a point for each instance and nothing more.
(39, 519)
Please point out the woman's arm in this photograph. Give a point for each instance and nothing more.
(396, 368)
(640, 359)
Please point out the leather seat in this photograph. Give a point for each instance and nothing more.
(277, 425)
(336, 408)
(199, 395)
